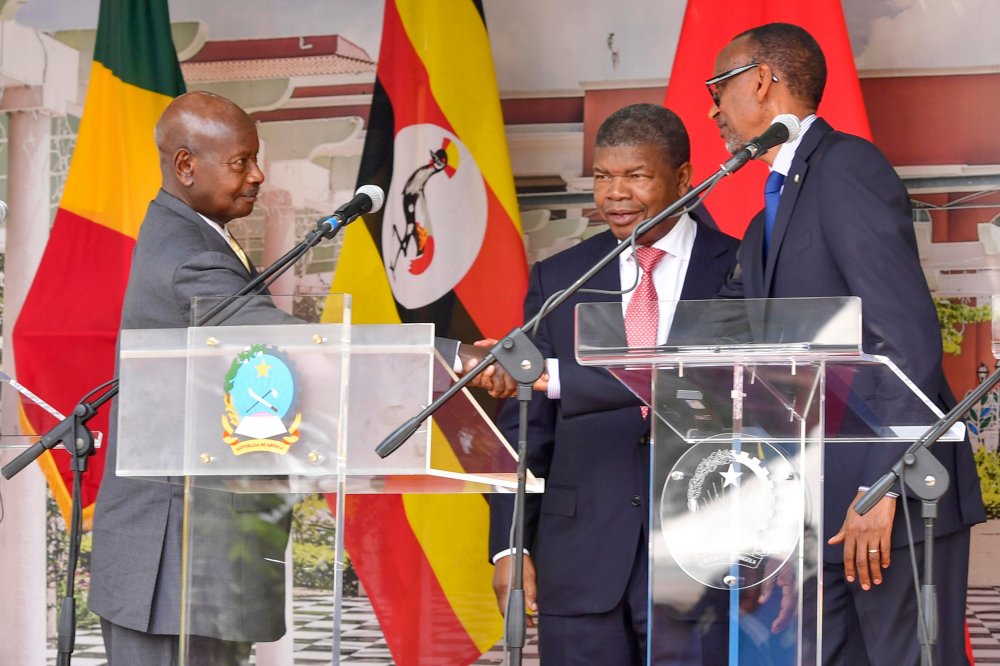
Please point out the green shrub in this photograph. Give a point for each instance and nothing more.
(988, 464)
(953, 315)
(313, 541)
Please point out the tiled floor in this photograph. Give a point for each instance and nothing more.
(983, 613)
(362, 642)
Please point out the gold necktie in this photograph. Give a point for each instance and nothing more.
(238, 250)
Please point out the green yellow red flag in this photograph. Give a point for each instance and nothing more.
(64, 338)
(447, 249)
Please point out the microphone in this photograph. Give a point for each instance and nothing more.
(784, 128)
(368, 199)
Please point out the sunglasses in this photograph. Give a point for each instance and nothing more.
(713, 83)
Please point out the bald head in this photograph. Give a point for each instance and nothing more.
(194, 119)
(208, 155)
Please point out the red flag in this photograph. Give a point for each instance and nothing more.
(711, 24)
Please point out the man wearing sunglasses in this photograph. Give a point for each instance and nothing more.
(837, 222)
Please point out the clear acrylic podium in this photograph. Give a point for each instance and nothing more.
(251, 418)
(748, 397)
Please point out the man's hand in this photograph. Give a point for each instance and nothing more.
(784, 580)
(501, 582)
(494, 378)
(867, 541)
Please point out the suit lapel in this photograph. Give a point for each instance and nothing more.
(752, 258)
(606, 279)
(703, 266)
(790, 194)
(609, 277)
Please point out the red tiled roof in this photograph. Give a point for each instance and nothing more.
(280, 47)
(250, 70)
(254, 59)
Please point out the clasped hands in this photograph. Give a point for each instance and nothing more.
(494, 379)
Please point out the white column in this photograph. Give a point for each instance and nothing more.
(22, 532)
(279, 237)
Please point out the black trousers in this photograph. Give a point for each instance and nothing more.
(880, 626)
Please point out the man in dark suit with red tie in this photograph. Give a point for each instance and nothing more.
(588, 436)
(837, 222)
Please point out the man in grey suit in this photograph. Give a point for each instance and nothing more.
(208, 159)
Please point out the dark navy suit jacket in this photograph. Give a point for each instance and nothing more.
(591, 446)
(844, 228)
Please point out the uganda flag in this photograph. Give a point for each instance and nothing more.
(64, 338)
(711, 24)
(446, 249)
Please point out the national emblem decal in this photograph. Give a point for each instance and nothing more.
(259, 397)
(435, 220)
(731, 517)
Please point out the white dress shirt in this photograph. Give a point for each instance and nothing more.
(215, 225)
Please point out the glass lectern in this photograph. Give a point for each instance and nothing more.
(250, 418)
(747, 396)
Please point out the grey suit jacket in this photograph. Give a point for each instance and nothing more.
(237, 579)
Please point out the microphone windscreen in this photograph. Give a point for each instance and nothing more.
(791, 122)
(375, 193)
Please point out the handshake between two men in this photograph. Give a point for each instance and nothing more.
(494, 379)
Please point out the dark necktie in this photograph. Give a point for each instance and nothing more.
(772, 195)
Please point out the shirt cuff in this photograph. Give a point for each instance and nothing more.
(864, 489)
(505, 553)
(554, 390)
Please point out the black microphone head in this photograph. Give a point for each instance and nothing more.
(788, 127)
(783, 128)
(375, 193)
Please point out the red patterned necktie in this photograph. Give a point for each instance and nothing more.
(642, 316)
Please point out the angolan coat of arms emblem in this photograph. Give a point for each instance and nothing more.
(259, 398)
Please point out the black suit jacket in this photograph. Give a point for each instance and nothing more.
(591, 446)
(844, 228)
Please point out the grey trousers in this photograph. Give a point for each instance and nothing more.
(127, 647)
